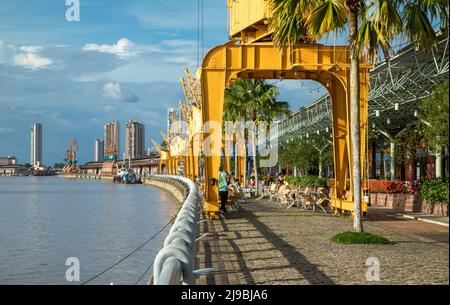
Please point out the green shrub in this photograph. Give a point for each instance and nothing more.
(435, 190)
(359, 238)
(311, 181)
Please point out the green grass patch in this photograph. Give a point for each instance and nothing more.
(359, 238)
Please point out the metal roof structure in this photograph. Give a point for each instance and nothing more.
(396, 87)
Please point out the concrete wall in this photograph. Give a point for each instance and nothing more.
(176, 191)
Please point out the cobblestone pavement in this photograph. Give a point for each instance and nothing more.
(262, 244)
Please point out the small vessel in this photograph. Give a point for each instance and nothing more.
(126, 174)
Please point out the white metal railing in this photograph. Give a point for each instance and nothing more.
(174, 263)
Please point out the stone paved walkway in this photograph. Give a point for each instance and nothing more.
(262, 244)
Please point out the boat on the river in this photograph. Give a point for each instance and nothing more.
(126, 174)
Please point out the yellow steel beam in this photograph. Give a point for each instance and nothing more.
(328, 65)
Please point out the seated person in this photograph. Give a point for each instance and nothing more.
(251, 183)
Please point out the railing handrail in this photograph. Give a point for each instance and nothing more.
(174, 263)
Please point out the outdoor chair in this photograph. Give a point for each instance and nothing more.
(323, 199)
(276, 193)
(268, 189)
(282, 196)
(233, 196)
(274, 187)
(306, 199)
(293, 198)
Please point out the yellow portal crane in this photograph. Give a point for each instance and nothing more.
(192, 89)
(251, 54)
(71, 159)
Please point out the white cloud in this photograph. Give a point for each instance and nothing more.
(30, 58)
(117, 92)
(124, 48)
(167, 57)
(6, 130)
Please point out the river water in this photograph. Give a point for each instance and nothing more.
(46, 220)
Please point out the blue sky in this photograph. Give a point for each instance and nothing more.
(122, 60)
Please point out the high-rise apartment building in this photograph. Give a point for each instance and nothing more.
(134, 140)
(36, 145)
(98, 150)
(112, 141)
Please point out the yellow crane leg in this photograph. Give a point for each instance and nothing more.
(213, 88)
(240, 173)
(226, 163)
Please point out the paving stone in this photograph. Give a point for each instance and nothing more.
(262, 244)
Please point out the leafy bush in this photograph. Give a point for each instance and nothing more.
(435, 190)
(312, 181)
(359, 238)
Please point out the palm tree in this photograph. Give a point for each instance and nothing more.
(306, 21)
(233, 111)
(254, 100)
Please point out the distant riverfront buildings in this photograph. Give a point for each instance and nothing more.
(134, 140)
(36, 145)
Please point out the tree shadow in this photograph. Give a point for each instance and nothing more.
(296, 259)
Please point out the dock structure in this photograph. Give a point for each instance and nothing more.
(142, 166)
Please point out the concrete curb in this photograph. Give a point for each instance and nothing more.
(425, 220)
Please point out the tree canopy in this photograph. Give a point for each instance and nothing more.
(434, 114)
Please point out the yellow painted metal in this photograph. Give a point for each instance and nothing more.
(328, 65)
(248, 20)
(240, 173)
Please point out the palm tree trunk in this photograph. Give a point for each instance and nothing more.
(254, 161)
(245, 156)
(236, 175)
(355, 119)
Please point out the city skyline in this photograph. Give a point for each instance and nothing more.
(74, 76)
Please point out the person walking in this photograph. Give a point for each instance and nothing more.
(223, 189)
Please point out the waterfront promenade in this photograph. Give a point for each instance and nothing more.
(262, 244)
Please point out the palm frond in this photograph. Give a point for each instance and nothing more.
(328, 16)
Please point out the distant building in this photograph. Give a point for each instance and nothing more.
(134, 140)
(112, 141)
(9, 167)
(10, 160)
(36, 145)
(99, 150)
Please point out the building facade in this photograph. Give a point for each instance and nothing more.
(134, 140)
(36, 145)
(112, 141)
(99, 150)
(10, 160)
